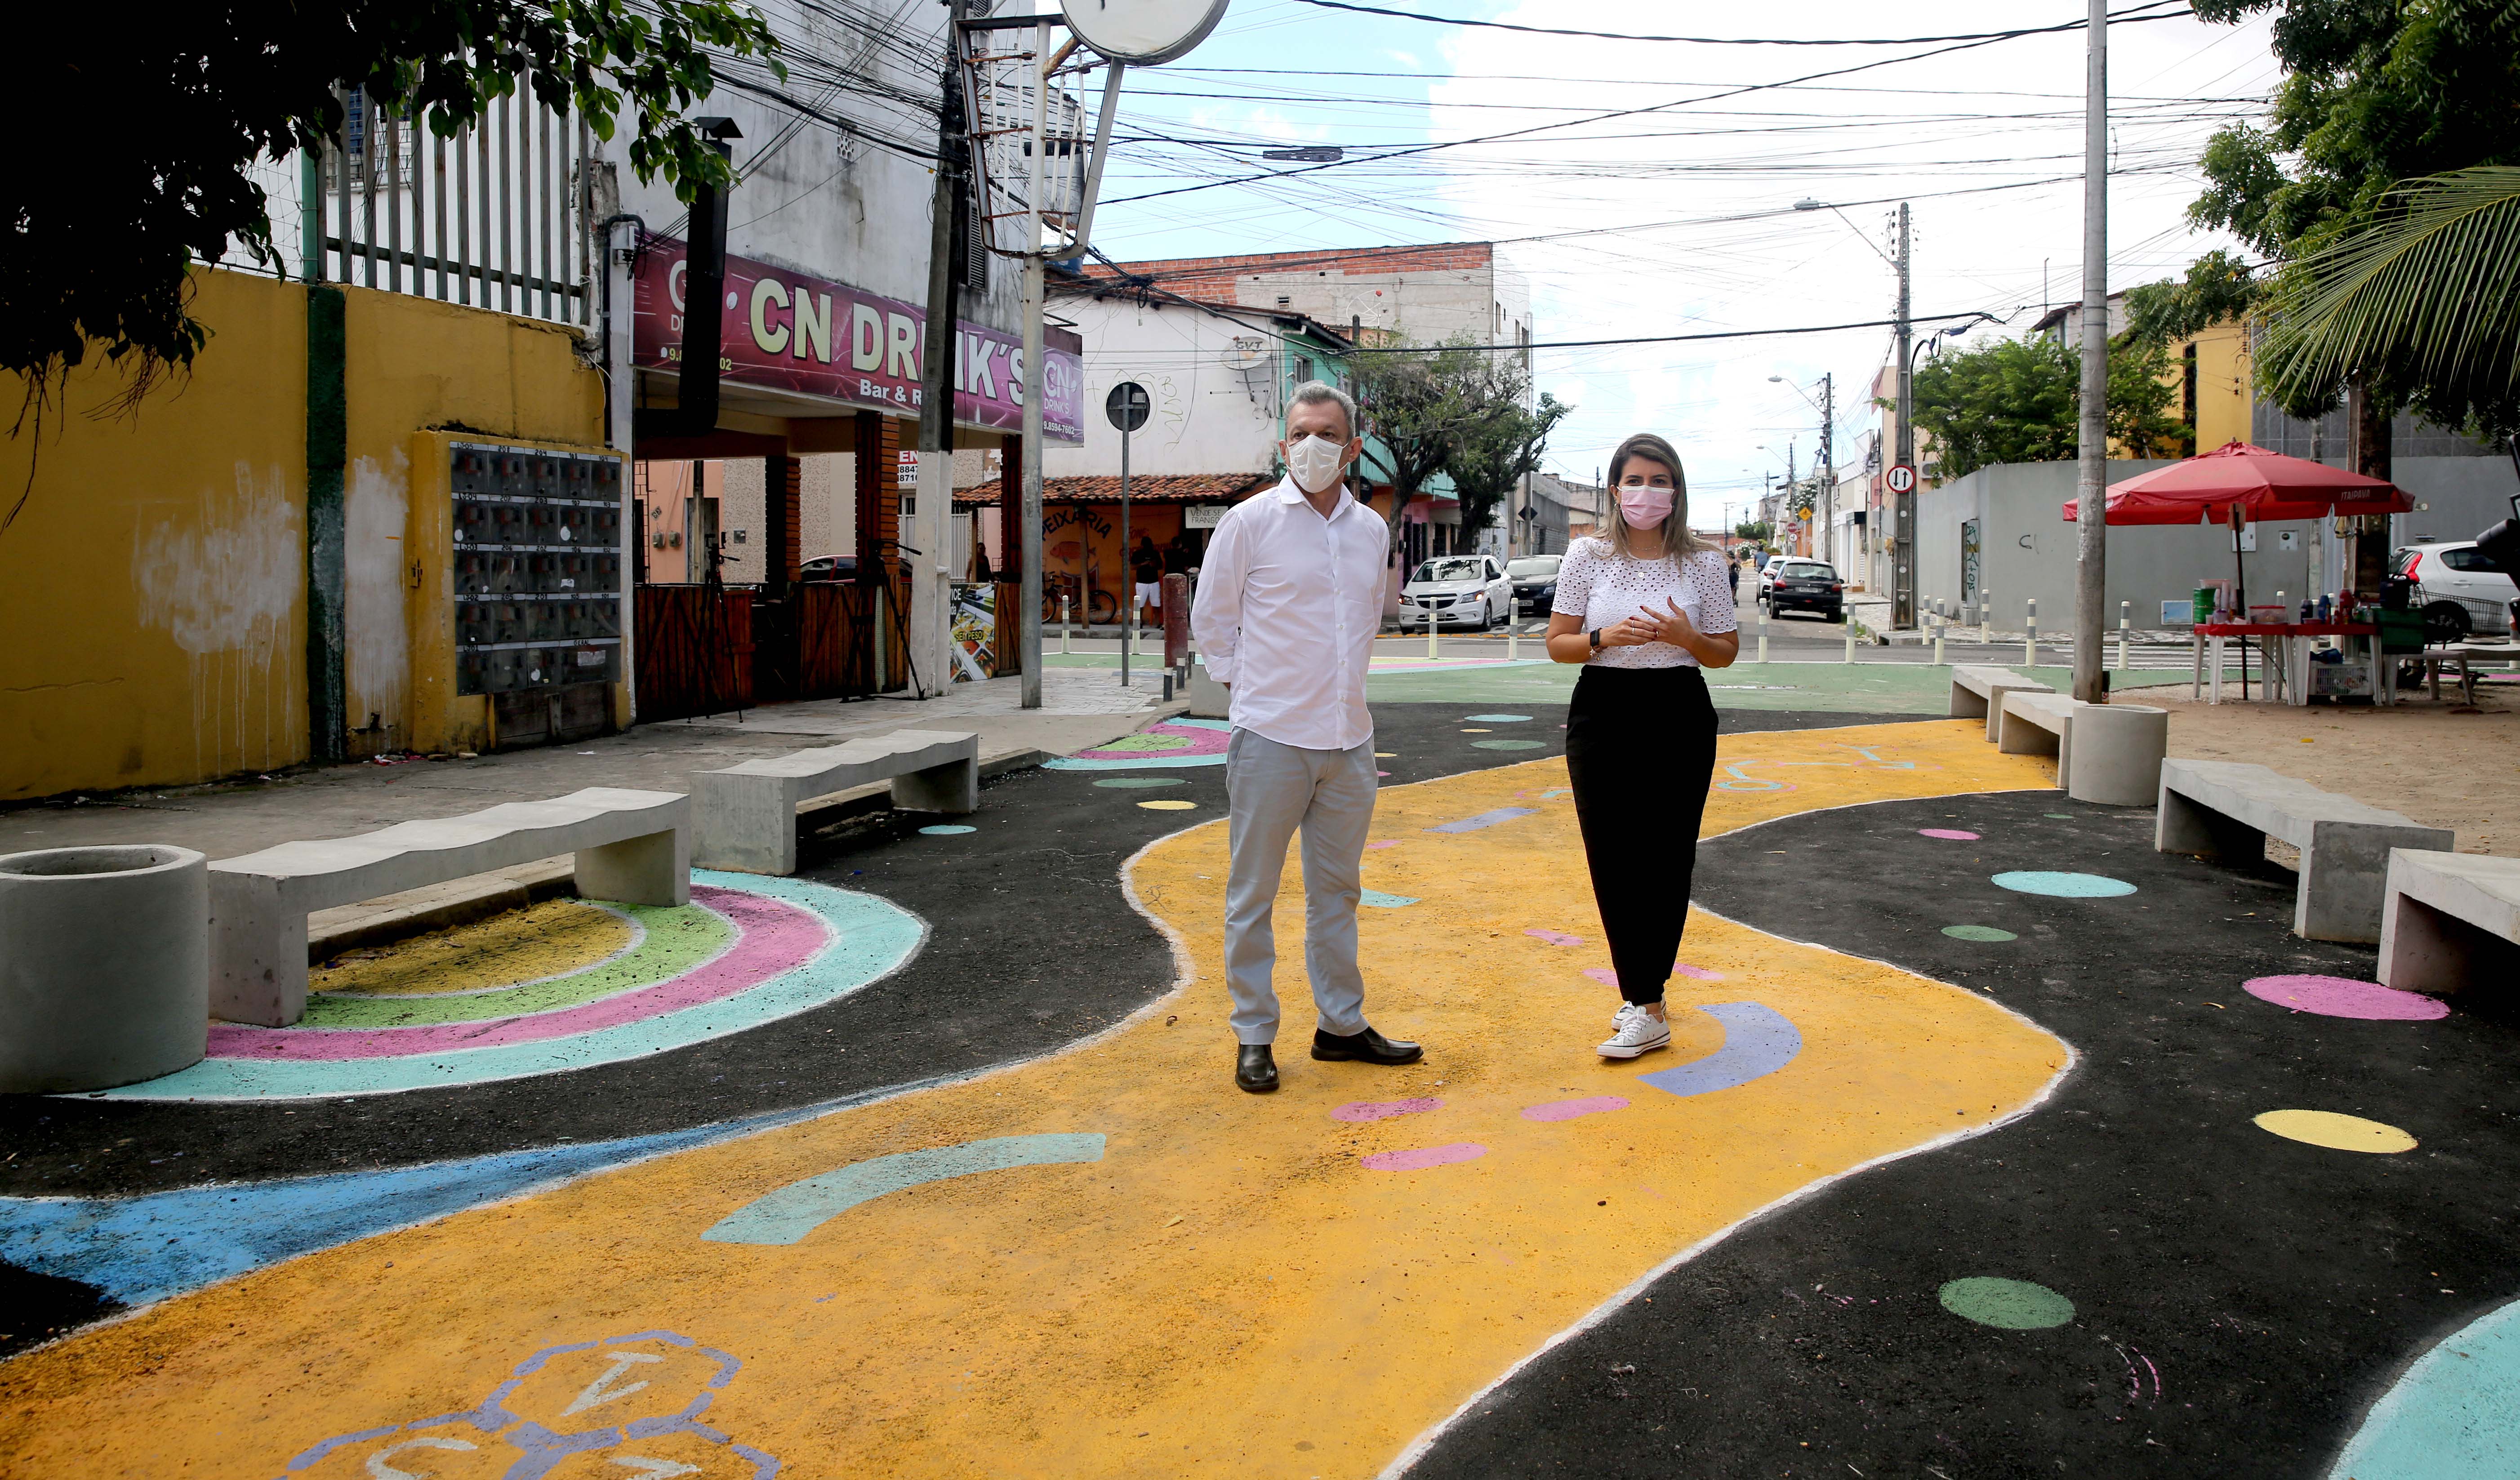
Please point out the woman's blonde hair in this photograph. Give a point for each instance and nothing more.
(1677, 540)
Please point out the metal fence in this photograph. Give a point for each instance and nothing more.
(495, 216)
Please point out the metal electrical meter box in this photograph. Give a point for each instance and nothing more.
(537, 574)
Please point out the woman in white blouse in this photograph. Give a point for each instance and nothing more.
(1645, 609)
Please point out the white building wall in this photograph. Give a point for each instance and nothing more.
(1208, 416)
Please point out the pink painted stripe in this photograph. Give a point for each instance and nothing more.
(1554, 937)
(773, 936)
(1569, 1109)
(1419, 1159)
(1383, 1109)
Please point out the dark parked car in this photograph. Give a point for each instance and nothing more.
(1535, 582)
(1806, 585)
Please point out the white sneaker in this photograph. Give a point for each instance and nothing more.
(1639, 1032)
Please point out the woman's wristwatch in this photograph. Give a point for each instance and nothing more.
(1596, 639)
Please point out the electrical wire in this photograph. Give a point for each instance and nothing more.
(1552, 31)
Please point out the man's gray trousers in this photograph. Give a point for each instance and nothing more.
(1272, 791)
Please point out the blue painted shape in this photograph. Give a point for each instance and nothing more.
(2064, 885)
(1758, 1041)
(1201, 724)
(1484, 819)
(797, 1209)
(2454, 1416)
(946, 830)
(1501, 719)
(870, 938)
(150, 1247)
(1135, 762)
(1382, 901)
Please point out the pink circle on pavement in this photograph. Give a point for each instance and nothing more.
(1953, 834)
(773, 936)
(2344, 997)
(1425, 1156)
(1569, 1109)
(1383, 1109)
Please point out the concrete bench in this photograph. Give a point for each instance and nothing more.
(745, 816)
(2451, 919)
(1977, 689)
(2230, 808)
(2111, 754)
(631, 847)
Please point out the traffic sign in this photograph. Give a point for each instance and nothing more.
(1127, 406)
(1901, 478)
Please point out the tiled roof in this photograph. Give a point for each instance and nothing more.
(1153, 488)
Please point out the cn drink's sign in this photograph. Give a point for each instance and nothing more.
(789, 331)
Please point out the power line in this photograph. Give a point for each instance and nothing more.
(1552, 31)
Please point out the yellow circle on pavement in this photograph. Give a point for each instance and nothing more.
(2337, 1132)
(1168, 806)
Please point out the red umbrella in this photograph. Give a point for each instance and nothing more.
(2265, 485)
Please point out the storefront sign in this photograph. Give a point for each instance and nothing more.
(787, 331)
(1204, 516)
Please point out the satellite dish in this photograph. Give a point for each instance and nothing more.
(1245, 354)
(1141, 33)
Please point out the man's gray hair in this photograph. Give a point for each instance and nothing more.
(1314, 392)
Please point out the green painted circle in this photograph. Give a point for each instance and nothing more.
(1127, 782)
(1978, 932)
(2064, 815)
(1509, 744)
(1499, 719)
(2007, 1305)
(947, 829)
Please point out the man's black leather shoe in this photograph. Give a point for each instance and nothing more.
(1255, 1069)
(1368, 1047)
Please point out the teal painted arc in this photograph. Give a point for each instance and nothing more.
(2454, 1416)
(789, 1214)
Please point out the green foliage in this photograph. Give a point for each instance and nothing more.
(2427, 299)
(103, 225)
(2218, 286)
(2375, 92)
(1756, 531)
(1457, 410)
(2021, 401)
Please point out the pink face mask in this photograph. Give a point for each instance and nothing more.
(1642, 506)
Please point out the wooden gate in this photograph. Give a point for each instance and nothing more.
(693, 651)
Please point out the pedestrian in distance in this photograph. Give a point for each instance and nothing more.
(1147, 570)
(1289, 600)
(1645, 608)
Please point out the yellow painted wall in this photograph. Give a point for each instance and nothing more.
(152, 589)
(414, 365)
(2222, 385)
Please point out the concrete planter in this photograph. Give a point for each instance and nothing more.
(105, 968)
(2118, 750)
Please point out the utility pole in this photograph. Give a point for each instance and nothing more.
(1827, 461)
(2092, 482)
(1902, 506)
(930, 567)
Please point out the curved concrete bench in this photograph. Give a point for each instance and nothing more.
(2229, 808)
(746, 814)
(2041, 722)
(2451, 919)
(1978, 690)
(631, 847)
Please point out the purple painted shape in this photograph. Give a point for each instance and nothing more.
(1569, 1109)
(1483, 820)
(774, 936)
(2345, 997)
(1603, 975)
(1953, 834)
(1422, 1157)
(1386, 842)
(1202, 742)
(1382, 1109)
(1554, 937)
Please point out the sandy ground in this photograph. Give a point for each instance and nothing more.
(2439, 763)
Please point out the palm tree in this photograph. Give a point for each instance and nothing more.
(2425, 302)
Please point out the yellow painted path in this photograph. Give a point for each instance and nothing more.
(1229, 1290)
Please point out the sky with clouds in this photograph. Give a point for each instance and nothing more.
(1678, 217)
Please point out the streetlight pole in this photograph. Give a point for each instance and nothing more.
(1902, 510)
(2092, 482)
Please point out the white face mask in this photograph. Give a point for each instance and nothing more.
(1314, 461)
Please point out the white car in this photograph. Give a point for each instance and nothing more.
(1461, 589)
(2458, 590)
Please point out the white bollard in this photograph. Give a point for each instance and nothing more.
(1062, 624)
(1848, 619)
(1431, 632)
(1763, 634)
(1513, 629)
(1940, 626)
(2124, 625)
(1985, 617)
(2030, 641)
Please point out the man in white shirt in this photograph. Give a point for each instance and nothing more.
(1289, 600)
